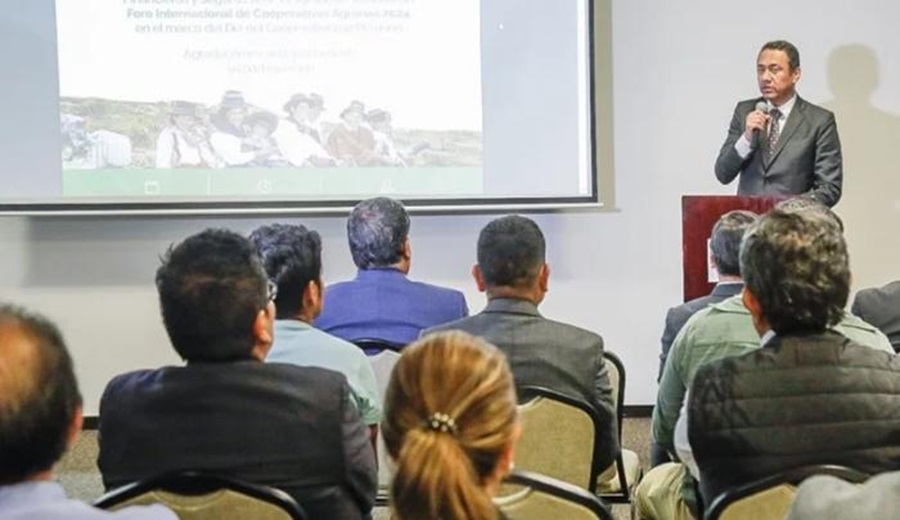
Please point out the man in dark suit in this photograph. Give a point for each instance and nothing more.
(880, 306)
(225, 411)
(779, 144)
(724, 245)
(541, 352)
(382, 303)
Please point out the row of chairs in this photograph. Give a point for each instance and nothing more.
(563, 480)
(200, 496)
(571, 459)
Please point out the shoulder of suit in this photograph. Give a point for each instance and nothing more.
(585, 334)
(307, 373)
(812, 109)
(437, 289)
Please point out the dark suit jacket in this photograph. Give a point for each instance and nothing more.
(547, 353)
(384, 304)
(285, 426)
(881, 308)
(807, 157)
(678, 316)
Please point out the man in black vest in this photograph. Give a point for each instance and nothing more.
(808, 396)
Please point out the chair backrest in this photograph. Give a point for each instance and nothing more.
(200, 496)
(772, 496)
(559, 437)
(382, 365)
(372, 346)
(542, 497)
(616, 371)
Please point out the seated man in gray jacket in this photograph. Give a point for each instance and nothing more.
(512, 270)
(809, 395)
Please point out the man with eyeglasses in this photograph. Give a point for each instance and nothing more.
(225, 411)
(780, 144)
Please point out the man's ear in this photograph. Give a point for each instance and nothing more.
(263, 332)
(479, 278)
(750, 301)
(752, 305)
(406, 250)
(544, 277)
(75, 426)
(313, 298)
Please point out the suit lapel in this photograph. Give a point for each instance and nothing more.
(793, 122)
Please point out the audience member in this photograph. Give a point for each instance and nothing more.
(292, 256)
(512, 270)
(880, 306)
(225, 411)
(823, 497)
(719, 331)
(724, 245)
(809, 395)
(40, 418)
(451, 426)
(382, 303)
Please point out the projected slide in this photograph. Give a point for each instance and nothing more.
(270, 97)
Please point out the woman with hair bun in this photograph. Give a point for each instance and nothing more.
(451, 427)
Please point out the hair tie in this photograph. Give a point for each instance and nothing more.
(441, 422)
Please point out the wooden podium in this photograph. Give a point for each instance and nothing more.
(699, 214)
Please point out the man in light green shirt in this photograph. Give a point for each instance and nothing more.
(292, 256)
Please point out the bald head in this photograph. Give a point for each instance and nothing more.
(39, 396)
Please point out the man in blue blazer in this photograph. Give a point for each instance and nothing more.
(382, 303)
(779, 144)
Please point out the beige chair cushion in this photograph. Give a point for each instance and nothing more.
(773, 502)
(528, 504)
(557, 441)
(218, 505)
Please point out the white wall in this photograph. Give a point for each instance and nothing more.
(678, 69)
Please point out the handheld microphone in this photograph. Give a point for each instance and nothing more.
(761, 106)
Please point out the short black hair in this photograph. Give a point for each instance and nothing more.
(292, 256)
(211, 288)
(377, 229)
(725, 240)
(788, 48)
(796, 266)
(37, 403)
(511, 252)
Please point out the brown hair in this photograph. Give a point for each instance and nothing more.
(450, 414)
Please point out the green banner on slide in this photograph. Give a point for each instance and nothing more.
(273, 182)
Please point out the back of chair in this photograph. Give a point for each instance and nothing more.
(199, 496)
(617, 482)
(772, 496)
(558, 437)
(616, 371)
(541, 498)
(373, 346)
(383, 364)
